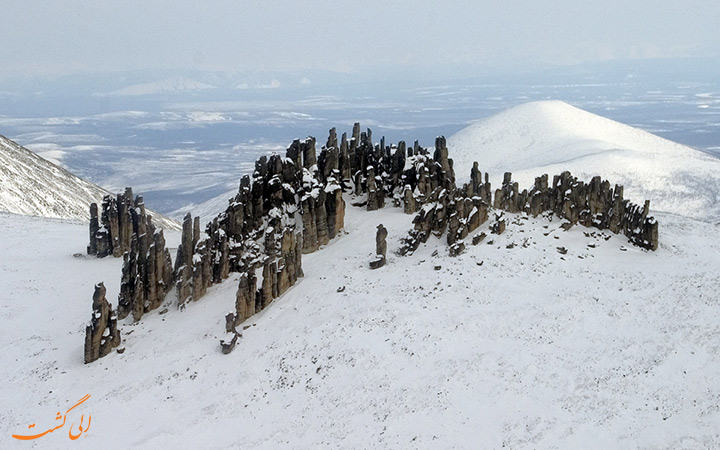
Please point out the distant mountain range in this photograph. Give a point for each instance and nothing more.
(173, 84)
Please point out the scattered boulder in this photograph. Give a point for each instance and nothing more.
(228, 346)
(380, 248)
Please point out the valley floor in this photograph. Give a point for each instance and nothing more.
(607, 346)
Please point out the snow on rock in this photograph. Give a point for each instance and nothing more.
(33, 186)
(552, 136)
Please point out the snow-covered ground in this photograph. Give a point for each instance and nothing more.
(607, 346)
(552, 136)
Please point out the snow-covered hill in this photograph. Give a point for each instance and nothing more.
(552, 136)
(33, 186)
(500, 347)
(512, 344)
(207, 209)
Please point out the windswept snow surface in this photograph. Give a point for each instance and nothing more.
(552, 136)
(34, 186)
(521, 347)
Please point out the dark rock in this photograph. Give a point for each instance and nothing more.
(499, 226)
(456, 248)
(478, 238)
(102, 335)
(228, 347)
(380, 248)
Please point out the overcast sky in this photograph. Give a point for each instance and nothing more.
(67, 36)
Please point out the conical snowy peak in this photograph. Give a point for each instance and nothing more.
(551, 136)
(33, 186)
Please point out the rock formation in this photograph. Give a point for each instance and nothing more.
(228, 346)
(124, 229)
(380, 248)
(147, 274)
(111, 233)
(592, 205)
(294, 205)
(102, 335)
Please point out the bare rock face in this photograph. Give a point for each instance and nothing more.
(128, 283)
(202, 276)
(410, 205)
(335, 209)
(92, 248)
(269, 282)
(375, 191)
(508, 198)
(112, 227)
(184, 262)
(245, 298)
(308, 152)
(147, 274)
(309, 220)
(478, 187)
(102, 335)
(441, 157)
(321, 219)
(540, 198)
(380, 248)
(344, 163)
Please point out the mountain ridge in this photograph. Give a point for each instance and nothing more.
(31, 185)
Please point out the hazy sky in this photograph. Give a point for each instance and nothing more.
(66, 36)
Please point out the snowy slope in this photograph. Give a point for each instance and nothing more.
(519, 348)
(207, 209)
(33, 186)
(552, 136)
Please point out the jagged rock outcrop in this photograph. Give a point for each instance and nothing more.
(447, 209)
(294, 204)
(147, 274)
(245, 298)
(335, 209)
(595, 204)
(508, 198)
(102, 335)
(406, 176)
(592, 205)
(111, 232)
(441, 156)
(202, 260)
(124, 229)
